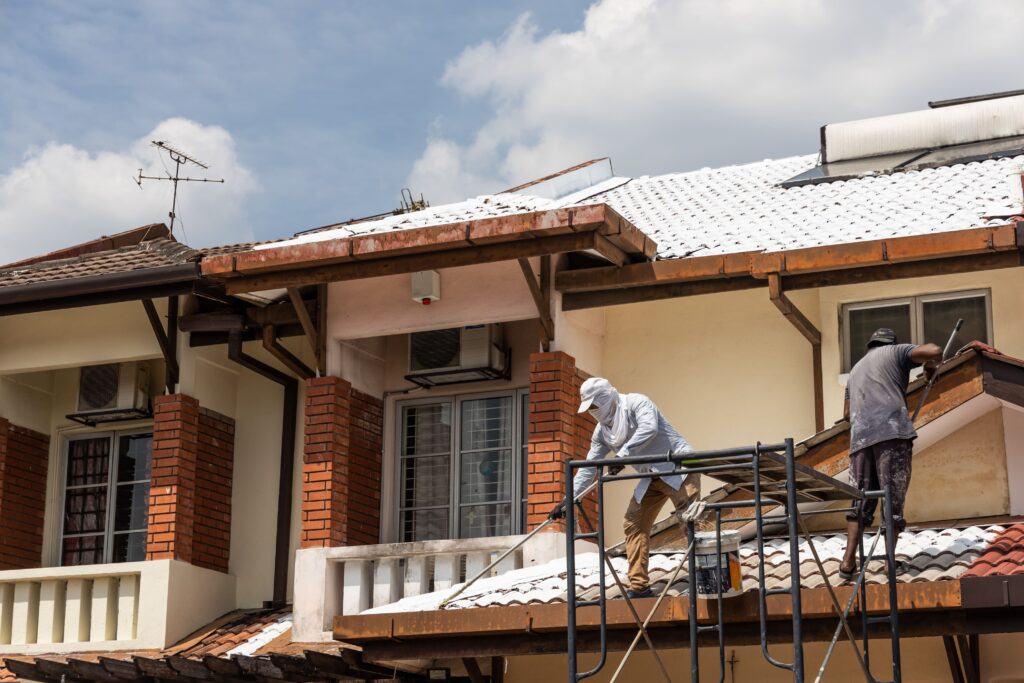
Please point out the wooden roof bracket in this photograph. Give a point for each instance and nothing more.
(315, 333)
(811, 333)
(167, 339)
(541, 293)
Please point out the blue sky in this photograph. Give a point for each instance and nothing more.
(316, 112)
(329, 103)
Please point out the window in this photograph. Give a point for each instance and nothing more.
(462, 466)
(917, 320)
(106, 498)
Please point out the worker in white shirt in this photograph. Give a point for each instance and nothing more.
(630, 424)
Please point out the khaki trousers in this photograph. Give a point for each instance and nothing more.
(640, 519)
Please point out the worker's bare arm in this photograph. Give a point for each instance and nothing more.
(928, 355)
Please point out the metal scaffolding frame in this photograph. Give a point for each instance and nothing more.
(774, 479)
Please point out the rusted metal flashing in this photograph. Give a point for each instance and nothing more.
(829, 265)
(407, 626)
(464, 243)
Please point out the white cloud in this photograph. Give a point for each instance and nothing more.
(62, 195)
(667, 85)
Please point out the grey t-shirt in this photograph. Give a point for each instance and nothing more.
(877, 390)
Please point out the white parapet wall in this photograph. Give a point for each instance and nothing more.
(337, 581)
(126, 606)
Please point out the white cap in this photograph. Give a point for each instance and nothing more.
(591, 389)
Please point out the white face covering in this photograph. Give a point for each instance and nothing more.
(609, 411)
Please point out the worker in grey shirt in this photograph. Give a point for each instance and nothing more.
(881, 433)
(630, 424)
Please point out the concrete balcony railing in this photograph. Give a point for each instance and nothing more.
(127, 606)
(350, 580)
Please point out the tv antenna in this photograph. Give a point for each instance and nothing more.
(179, 158)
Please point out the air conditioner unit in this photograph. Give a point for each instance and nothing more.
(459, 354)
(112, 392)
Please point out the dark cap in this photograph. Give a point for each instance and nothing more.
(881, 337)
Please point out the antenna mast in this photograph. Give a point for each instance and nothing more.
(179, 158)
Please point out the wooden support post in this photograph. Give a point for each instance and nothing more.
(473, 670)
(497, 670)
(541, 299)
(953, 657)
(289, 360)
(321, 328)
(167, 339)
(811, 333)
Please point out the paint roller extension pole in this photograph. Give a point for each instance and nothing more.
(483, 572)
(935, 375)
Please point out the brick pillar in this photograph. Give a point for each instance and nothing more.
(211, 538)
(341, 465)
(173, 484)
(24, 456)
(557, 433)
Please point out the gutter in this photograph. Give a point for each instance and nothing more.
(91, 289)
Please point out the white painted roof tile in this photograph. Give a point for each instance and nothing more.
(932, 555)
(742, 208)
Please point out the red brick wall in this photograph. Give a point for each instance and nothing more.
(557, 433)
(341, 465)
(173, 484)
(211, 534)
(366, 441)
(24, 457)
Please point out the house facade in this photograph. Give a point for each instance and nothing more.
(356, 420)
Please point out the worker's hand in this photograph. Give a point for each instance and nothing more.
(558, 512)
(615, 469)
(694, 512)
(978, 345)
(930, 371)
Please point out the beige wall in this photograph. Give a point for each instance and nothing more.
(923, 659)
(728, 370)
(472, 295)
(50, 347)
(1007, 322)
(76, 336)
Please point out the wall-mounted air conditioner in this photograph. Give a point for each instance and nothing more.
(112, 392)
(459, 354)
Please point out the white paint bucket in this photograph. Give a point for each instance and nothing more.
(708, 578)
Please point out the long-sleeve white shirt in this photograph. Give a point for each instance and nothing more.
(649, 434)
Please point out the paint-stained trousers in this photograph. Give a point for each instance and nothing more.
(640, 519)
(875, 467)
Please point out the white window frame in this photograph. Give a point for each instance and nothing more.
(916, 304)
(455, 402)
(113, 436)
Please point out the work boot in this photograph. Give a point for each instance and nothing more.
(645, 593)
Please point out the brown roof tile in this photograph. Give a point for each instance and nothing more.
(1004, 556)
(150, 254)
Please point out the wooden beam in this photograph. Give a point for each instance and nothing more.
(497, 670)
(162, 339)
(289, 360)
(213, 322)
(312, 335)
(613, 297)
(171, 374)
(604, 247)
(410, 263)
(547, 326)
